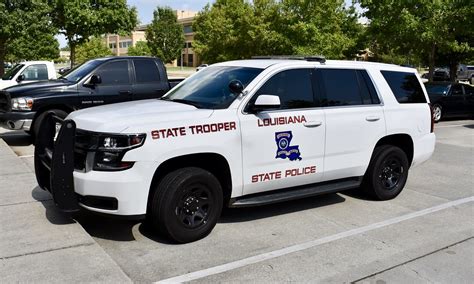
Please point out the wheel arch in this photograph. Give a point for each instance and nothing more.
(212, 162)
(402, 140)
(52, 107)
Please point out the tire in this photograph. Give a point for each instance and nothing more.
(437, 113)
(39, 120)
(175, 200)
(387, 173)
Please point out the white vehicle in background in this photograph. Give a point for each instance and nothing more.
(202, 66)
(27, 72)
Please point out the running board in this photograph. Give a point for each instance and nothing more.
(299, 192)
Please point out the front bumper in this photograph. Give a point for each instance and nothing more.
(123, 193)
(17, 120)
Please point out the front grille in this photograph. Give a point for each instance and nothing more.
(5, 102)
(86, 143)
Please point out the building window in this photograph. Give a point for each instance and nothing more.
(188, 29)
(112, 45)
(190, 60)
(125, 44)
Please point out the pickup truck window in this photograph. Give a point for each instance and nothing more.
(36, 72)
(12, 72)
(80, 71)
(114, 73)
(209, 88)
(146, 71)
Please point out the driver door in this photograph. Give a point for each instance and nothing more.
(283, 147)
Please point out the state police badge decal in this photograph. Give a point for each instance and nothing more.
(284, 149)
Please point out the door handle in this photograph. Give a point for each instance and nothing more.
(313, 124)
(372, 118)
(125, 92)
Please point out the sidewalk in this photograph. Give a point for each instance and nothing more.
(37, 242)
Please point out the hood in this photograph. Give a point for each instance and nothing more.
(37, 88)
(116, 118)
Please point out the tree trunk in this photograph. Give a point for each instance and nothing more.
(431, 61)
(3, 51)
(72, 46)
(453, 69)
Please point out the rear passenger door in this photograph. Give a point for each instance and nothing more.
(148, 82)
(354, 121)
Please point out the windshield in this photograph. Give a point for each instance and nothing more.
(437, 89)
(209, 88)
(80, 71)
(12, 72)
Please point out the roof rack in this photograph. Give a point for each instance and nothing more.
(317, 58)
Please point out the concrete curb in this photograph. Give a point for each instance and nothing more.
(37, 242)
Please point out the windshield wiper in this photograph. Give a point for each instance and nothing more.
(183, 101)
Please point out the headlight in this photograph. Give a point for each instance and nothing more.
(22, 104)
(111, 150)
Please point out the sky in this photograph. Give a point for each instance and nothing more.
(145, 9)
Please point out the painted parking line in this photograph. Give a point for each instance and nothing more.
(307, 245)
(451, 125)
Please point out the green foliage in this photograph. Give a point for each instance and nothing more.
(79, 20)
(165, 35)
(33, 46)
(425, 29)
(94, 48)
(237, 29)
(23, 18)
(140, 49)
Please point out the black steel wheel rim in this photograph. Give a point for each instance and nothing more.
(391, 172)
(194, 206)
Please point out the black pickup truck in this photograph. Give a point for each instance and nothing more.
(96, 82)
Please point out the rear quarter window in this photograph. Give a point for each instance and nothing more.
(405, 86)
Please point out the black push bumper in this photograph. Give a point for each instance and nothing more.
(54, 162)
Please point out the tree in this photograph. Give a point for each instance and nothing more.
(165, 35)
(79, 20)
(424, 28)
(237, 29)
(94, 48)
(33, 46)
(140, 49)
(19, 18)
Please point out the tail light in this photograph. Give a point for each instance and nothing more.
(432, 118)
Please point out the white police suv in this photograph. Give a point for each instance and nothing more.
(240, 133)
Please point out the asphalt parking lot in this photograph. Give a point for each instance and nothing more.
(424, 235)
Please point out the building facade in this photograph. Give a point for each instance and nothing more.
(119, 44)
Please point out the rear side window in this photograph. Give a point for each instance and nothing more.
(405, 86)
(344, 87)
(146, 71)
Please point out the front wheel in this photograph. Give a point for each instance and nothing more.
(186, 205)
(387, 173)
(437, 113)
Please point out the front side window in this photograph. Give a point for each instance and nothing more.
(114, 73)
(292, 86)
(36, 72)
(405, 86)
(209, 88)
(456, 90)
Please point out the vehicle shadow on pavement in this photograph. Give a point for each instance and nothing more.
(52, 213)
(471, 126)
(17, 138)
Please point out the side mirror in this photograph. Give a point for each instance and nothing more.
(236, 87)
(95, 80)
(266, 102)
(20, 78)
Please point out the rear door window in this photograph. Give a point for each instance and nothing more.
(405, 86)
(342, 87)
(146, 71)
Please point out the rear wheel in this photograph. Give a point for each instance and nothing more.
(186, 205)
(437, 113)
(387, 173)
(39, 120)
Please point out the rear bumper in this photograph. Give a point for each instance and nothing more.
(424, 148)
(17, 120)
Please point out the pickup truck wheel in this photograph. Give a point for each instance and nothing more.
(387, 173)
(437, 113)
(186, 205)
(39, 120)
